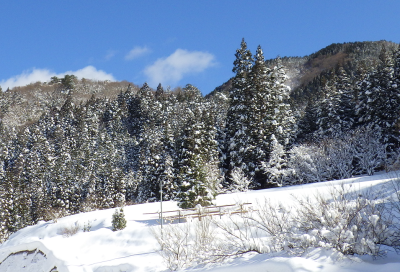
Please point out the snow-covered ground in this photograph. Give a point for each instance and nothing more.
(43, 246)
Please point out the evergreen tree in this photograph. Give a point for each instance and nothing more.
(151, 147)
(276, 167)
(308, 123)
(328, 112)
(197, 151)
(347, 104)
(379, 99)
(261, 123)
(261, 111)
(118, 221)
(5, 189)
(36, 167)
(236, 135)
(283, 121)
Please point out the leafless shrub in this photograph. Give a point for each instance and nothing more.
(70, 231)
(240, 235)
(393, 209)
(174, 242)
(344, 220)
(275, 221)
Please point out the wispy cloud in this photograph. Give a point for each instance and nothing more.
(35, 75)
(136, 52)
(110, 54)
(173, 68)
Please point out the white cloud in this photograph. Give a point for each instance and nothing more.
(136, 52)
(110, 54)
(173, 68)
(90, 72)
(43, 75)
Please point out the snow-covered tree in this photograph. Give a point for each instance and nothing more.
(196, 152)
(237, 135)
(259, 109)
(380, 99)
(276, 168)
(240, 182)
(328, 112)
(347, 104)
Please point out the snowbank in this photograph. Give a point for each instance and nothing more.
(135, 248)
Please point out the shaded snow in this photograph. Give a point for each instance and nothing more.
(27, 261)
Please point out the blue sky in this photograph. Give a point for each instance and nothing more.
(174, 42)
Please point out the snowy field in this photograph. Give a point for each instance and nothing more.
(47, 245)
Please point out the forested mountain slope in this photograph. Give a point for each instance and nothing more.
(73, 145)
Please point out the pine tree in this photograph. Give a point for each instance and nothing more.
(262, 122)
(197, 151)
(236, 135)
(379, 99)
(308, 123)
(5, 188)
(276, 168)
(283, 121)
(328, 112)
(36, 167)
(347, 104)
(118, 221)
(262, 111)
(151, 145)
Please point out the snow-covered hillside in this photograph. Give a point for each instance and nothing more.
(48, 245)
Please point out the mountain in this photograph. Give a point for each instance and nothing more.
(69, 146)
(24, 105)
(302, 70)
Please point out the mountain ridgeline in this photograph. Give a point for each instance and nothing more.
(69, 145)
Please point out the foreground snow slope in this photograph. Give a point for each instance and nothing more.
(135, 248)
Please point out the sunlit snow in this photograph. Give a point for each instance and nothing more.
(43, 246)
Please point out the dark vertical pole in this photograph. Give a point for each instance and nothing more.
(161, 196)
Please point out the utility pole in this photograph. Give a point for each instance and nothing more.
(161, 196)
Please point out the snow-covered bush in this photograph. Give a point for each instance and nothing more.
(309, 164)
(343, 220)
(118, 220)
(174, 242)
(346, 221)
(239, 236)
(369, 152)
(275, 222)
(240, 182)
(393, 209)
(339, 154)
(338, 158)
(358, 152)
